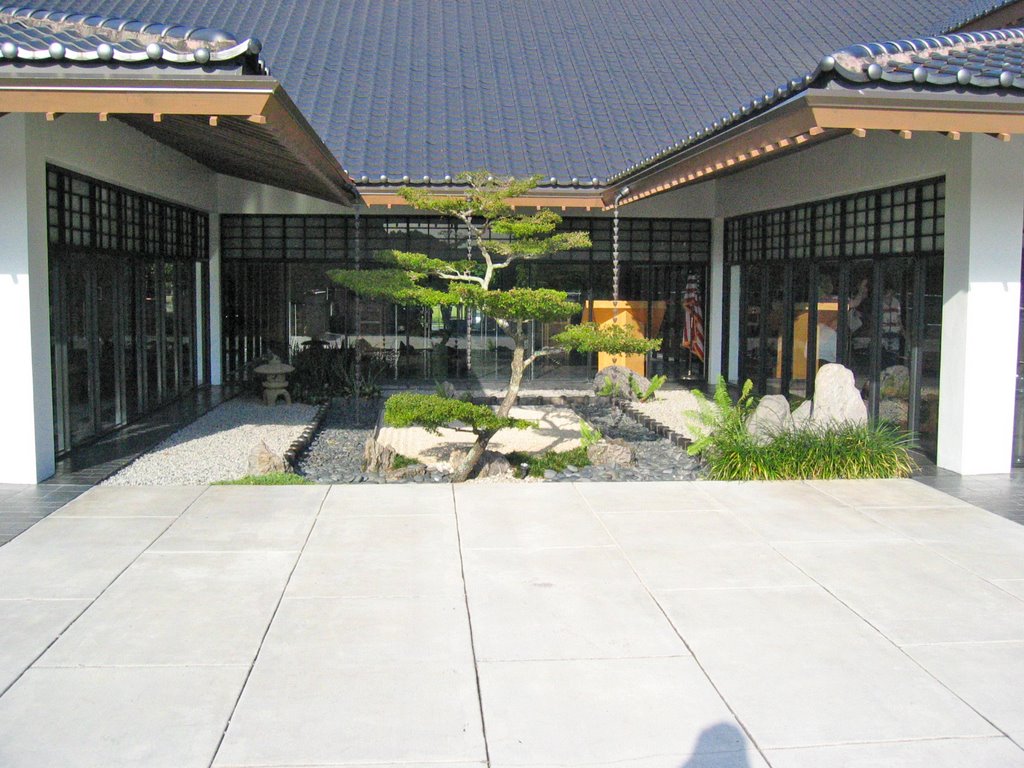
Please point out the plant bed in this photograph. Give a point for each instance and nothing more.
(335, 454)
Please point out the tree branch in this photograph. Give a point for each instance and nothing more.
(542, 352)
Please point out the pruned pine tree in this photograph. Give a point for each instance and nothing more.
(497, 237)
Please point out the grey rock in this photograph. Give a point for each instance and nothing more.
(894, 411)
(550, 474)
(836, 398)
(414, 472)
(620, 377)
(377, 457)
(263, 461)
(769, 418)
(449, 389)
(610, 452)
(493, 464)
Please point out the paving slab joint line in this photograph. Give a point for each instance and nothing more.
(472, 639)
(273, 615)
(101, 593)
(675, 629)
(900, 649)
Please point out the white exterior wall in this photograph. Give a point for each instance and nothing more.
(981, 305)
(26, 403)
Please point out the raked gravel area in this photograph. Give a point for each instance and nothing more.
(216, 446)
(670, 408)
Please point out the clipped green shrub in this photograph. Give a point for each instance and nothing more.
(614, 339)
(433, 412)
(730, 452)
(271, 478)
(557, 461)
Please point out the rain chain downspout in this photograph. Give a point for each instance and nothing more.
(615, 255)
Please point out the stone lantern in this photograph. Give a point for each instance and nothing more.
(275, 380)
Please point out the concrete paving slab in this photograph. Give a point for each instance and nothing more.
(885, 493)
(697, 550)
(410, 555)
(563, 604)
(27, 628)
(988, 676)
(801, 670)
(135, 501)
(531, 515)
(624, 497)
(804, 522)
(1013, 586)
(785, 495)
(179, 609)
(323, 711)
(163, 717)
(649, 713)
(400, 499)
(238, 519)
(74, 557)
(911, 593)
(942, 753)
(411, 629)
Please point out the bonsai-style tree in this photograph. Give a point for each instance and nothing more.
(497, 238)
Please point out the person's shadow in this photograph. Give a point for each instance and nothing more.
(720, 746)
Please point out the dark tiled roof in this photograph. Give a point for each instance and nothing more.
(40, 36)
(992, 59)
(575, 90)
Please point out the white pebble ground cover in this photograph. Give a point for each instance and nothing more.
(670, 408)
(216, 446)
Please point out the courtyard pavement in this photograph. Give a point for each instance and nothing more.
(711, 625)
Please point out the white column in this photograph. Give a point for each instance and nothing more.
(735, 318)
(26, 404)
(216, 340)
(713, 302)
(981, 304)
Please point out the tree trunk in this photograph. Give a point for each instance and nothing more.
(476, 452)
(515, 379)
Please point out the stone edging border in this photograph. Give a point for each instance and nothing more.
(301, 443)
(662, 430)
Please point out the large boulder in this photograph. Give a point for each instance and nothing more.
(836, 397)
(377, 457)
(610, 452)
(894, 411)
(802, 416)
(493, 464)
(619, 376)
(770, 418)
(263, 461)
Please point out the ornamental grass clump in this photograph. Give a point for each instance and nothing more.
(815, 452)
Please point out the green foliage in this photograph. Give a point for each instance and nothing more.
(401, 462)
(271, 478)
(818, 453)
(395, 285)
(730, 452)
(543, 304)
(721, 420)
(323, 372)
(645, 395)
(432, 412)
(486, 195)
(613, 339)
(556, 461)
(589, 435)
(610, 388)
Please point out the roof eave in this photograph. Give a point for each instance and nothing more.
(819, 114)
(195, 115)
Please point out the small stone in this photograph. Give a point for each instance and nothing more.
(263, 461)
(550, 474)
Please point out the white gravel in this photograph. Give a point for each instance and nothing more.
(670, 409)
(216, 446)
